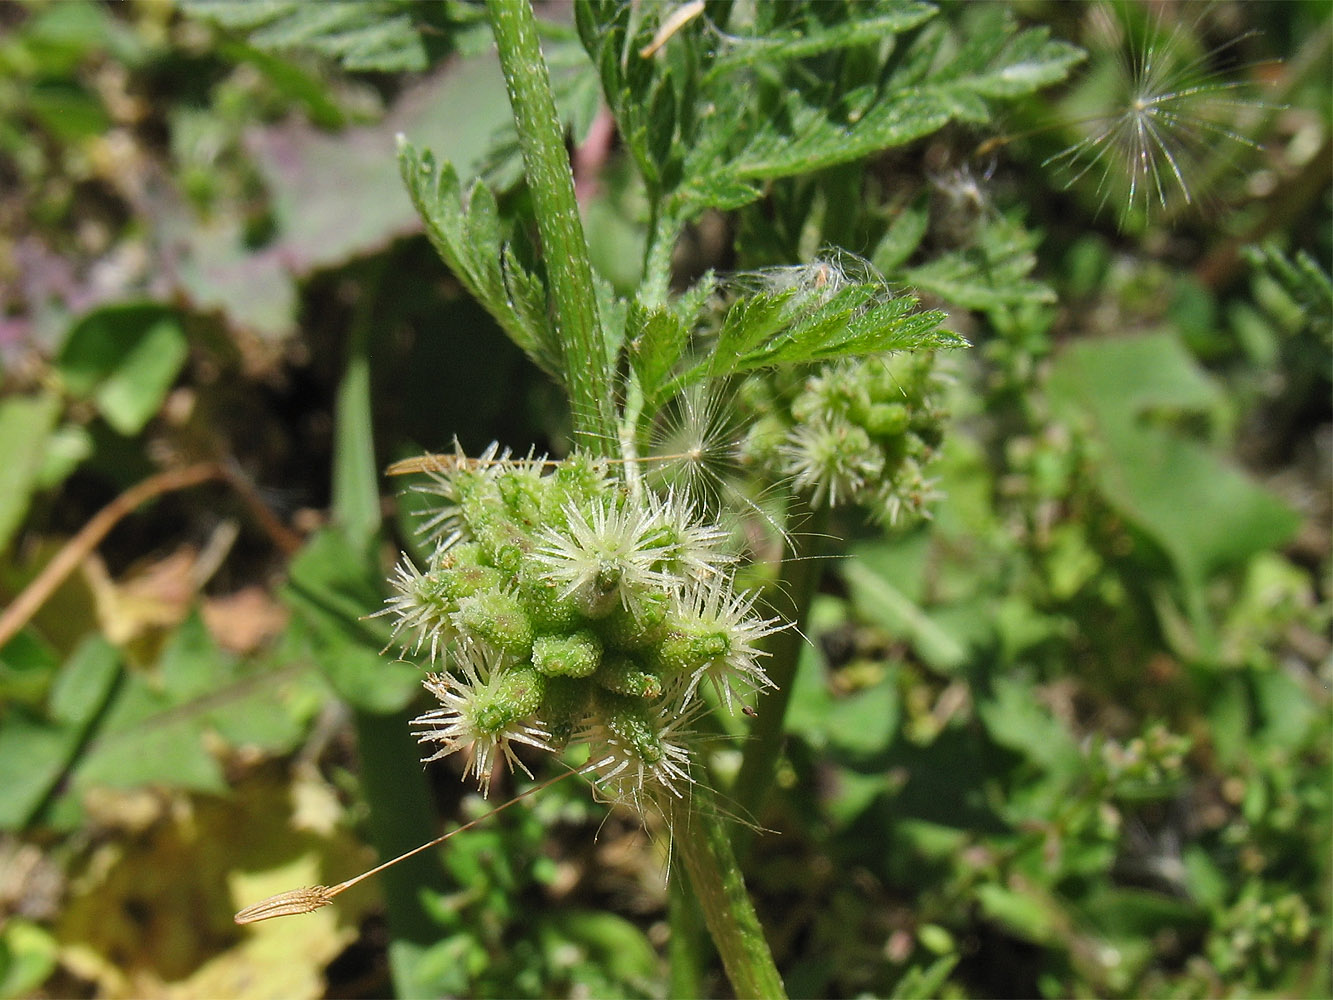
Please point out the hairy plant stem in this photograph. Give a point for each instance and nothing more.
(663, 229)
(700, 835)
(703, 843)
(589, 374)
(799, 580)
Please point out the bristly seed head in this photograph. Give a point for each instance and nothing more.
(566, 610)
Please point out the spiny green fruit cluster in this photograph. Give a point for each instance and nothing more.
(569, 610)
(854, 432)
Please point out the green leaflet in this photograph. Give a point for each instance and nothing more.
(825, 89)
(799, 325)
(466, 234)
(379, 35)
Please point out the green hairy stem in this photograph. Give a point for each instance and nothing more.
(703, 844)
(588, 373)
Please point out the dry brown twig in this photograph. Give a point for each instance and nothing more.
(78, 548)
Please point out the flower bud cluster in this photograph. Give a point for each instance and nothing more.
(854, 432)
(568, 611)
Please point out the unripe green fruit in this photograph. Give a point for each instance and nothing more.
(629, 721)
(688, 648)
(601, 594)
(764, 439)
(464, 581)
(513, 695)
(564, 707)
(498, 618)
(522, 496)
(628, 677)
(547, 609)
(576, 655)
(886, 419)
(645, 626)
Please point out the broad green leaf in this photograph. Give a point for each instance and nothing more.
(149, 734)
(879, 599)
(612, 944)
(308, 172)
(26, 425)
(334, 587)
(927, 983)
(1122, 912)
(153, 731)
(1018, 721)
(84, 682)
(28, 665)
(66, 449)
(33, 756)
(29, 953)
(1204, 513)
(125, 357)
(36, 753)
(1030, 914)
(865, 722)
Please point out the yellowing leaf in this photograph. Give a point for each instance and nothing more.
(151, 913)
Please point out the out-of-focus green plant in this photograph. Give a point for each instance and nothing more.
(1060, 726)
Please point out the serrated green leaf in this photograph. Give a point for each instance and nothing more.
(378, 35)
(467, 237)
(993, 273)
(483, 224)
(661, 128)
(657, 340)
(715, 189)
(870, 26)
(798, 325)
(612, 313)
(1029, 62)
(810, 140)
(749, 323)
(808, 124)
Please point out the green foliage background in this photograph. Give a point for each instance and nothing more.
(1070, 736)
